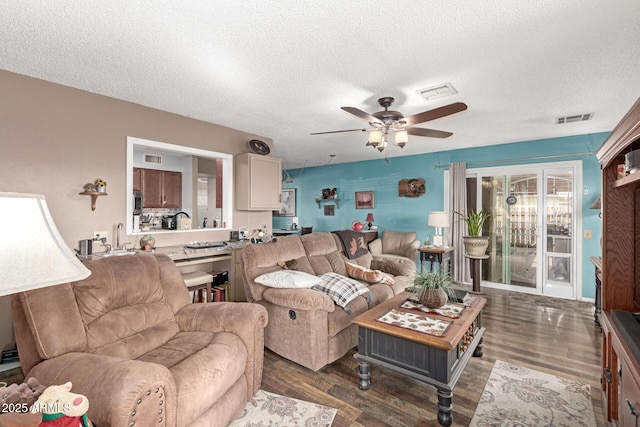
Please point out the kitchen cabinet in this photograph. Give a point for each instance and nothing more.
(620, 290)
(137, 179)
(258, 182)
(161, 189)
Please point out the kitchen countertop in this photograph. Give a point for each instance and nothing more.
(180, 253)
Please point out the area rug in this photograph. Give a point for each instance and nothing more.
(519, 396)
(269, 409)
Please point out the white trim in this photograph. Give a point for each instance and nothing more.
(538, 168)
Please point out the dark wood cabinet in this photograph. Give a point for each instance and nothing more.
(137, 179)
(161, 189)
(620, 287)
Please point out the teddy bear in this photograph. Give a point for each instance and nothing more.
(61, 408)
(22, 395)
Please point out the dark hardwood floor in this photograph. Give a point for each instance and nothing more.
(550, 335)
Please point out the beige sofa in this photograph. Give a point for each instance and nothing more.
(305, 325)
(128, 339)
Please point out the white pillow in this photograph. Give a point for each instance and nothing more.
(288, 279)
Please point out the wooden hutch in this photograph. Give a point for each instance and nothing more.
(621, 275)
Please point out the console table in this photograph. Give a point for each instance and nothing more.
(437, 361)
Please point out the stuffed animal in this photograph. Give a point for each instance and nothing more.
(61, 408)
(22, 395)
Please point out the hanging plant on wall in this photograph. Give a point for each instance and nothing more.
(414, 187)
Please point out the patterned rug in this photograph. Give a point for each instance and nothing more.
(519, 396)
(269, 409)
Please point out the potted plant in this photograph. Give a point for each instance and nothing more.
(475, 245)
(433, 287)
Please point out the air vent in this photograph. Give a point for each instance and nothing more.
(574, 119)
(153, 158)
(439, 91)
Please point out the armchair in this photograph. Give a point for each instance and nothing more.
(128, 339)
(397, 246)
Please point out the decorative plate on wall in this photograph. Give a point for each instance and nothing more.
(259, 147)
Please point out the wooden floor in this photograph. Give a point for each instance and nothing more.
(554, 336)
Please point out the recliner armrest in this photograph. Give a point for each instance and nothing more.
(412, 250)
(375, 247)
(122, 390)
(246, 320)
(299, 299)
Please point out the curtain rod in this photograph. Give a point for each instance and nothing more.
(554, 156)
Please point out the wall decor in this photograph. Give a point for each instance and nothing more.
(414, 187)
(364, 200)
(287, 203)
(329, 210)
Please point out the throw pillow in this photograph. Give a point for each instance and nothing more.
(288, 279)
(342, 290)
(372, 276)
(288, 265)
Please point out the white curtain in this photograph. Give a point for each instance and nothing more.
(458, 202)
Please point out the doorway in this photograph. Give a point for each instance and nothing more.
(532, 226)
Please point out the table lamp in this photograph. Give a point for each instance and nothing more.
(439, 220)
(369, 220)
(33, 253)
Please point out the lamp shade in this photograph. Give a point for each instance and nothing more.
(369, 217)
(375, 137)
(402, 137)
(33, 253)
(438, 219)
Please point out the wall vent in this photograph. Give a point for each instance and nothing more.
(574, 119)
(153, 158)
(439, 91)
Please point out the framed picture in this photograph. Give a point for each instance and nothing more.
(287, 203)
(329, 210)
(364, 200)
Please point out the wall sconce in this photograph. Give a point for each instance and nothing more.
(439, 220)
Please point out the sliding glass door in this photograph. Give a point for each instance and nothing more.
(531, 227)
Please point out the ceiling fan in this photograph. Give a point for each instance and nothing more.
(388, 124)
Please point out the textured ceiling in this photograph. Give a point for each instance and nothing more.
(283, 69)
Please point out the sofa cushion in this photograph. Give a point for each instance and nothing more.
(288, 279)
(372, 276)
(123, 308)
(323, 253)
(200, 361)
(341, 289)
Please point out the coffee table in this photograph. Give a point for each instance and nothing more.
(437, 361)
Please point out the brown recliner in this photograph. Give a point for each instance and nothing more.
(128, 339)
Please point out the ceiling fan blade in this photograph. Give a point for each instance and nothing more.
(361, 114)
(338, 131)
(436, 113)
(430, 133)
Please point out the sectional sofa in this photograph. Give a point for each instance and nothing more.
(305, 325)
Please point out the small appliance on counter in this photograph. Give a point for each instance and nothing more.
(169, 222)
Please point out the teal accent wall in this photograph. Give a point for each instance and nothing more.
(410, 214)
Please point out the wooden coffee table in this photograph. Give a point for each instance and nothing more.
(437, 361)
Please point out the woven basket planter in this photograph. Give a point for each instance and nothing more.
(433, 298)
(475, 246)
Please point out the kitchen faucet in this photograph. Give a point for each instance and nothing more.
(119, 228)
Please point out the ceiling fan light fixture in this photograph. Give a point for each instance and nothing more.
(401, 138)
(375, 138)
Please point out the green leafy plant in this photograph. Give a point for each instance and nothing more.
(425, 281)
(474, 220)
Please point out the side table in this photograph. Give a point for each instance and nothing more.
(436, 254)
(475, 272)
